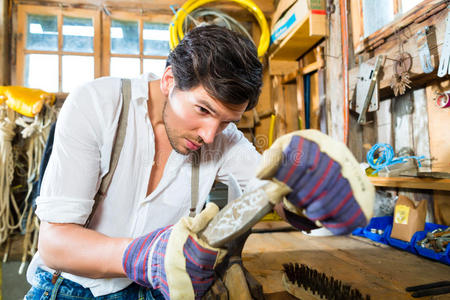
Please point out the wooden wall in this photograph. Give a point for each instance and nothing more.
(4, 43)
(413, 120)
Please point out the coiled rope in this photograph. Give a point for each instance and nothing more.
(9, 210)
(386, 157)
(36, 134)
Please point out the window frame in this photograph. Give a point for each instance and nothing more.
(129, 16)
(363, 44)
(21, 51)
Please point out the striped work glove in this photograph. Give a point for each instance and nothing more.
(329, 187)
(173, 259)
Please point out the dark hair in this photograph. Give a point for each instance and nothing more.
(223, 62)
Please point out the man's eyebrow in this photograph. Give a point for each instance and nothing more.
(208, 106)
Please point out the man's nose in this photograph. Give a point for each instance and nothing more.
(208, 131)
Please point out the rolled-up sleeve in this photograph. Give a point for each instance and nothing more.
(72, 175)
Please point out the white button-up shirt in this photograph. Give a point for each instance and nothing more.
(81, 153)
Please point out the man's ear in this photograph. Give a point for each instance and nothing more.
(167, 81)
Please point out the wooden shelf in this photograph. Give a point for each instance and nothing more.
(412, 183)
(300, 39)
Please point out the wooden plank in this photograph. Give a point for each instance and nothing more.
(390, 48)
(356, 22)
(265, 103)
(314, 116)
(322, 101)
(420, 127)
(301, 99)
(290, 98)
(282, 67)
(159, 6)
(355, 138)
(279, 106)
(383, 119)
(369, 137)
(371, 269)
(438, 128)
(403, 138)
(334, 92)
(412, 182)
(261, 140)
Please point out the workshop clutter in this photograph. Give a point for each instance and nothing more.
(293, 13)
(408, 218)
(380, 230)
(25, 119)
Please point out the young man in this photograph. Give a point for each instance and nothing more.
(212, 77)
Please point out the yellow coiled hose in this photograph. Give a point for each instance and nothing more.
(176, 27)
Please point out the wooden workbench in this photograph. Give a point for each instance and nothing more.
(375, 269)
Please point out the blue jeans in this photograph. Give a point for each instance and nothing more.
(65, 289)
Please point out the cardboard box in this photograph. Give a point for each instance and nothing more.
(408, 218)
(290, 13)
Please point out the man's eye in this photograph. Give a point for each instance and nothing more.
(202, 110)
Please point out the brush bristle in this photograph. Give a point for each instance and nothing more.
(320, 284)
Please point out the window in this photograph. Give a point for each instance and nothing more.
(372, 18)
(136, 44)
(59, 48)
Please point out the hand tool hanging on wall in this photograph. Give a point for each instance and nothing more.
(424, 50)
(402, 65)
(366, 91)
(400, 80)
(445, 54)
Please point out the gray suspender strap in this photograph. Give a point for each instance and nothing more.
(195, 181)
(117, 146)
(115, 152)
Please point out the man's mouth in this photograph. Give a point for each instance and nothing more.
(192, 146)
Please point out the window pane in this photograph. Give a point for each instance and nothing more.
(124, 37)
(408, 4)
(76, 70)
(78, 35)
(155, 66)
(41, 72)
(125, 67)
(377, 14)
(156, 39)
(42, 33)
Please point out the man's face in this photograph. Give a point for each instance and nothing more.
(192, 118)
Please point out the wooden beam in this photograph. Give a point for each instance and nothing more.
(282, 67)
(158, 6)
(334, 91)
(412, 182)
